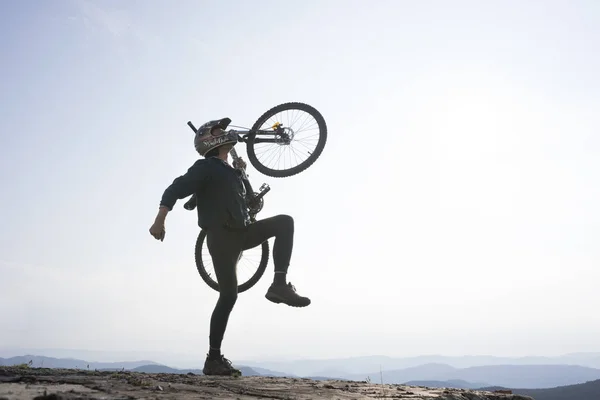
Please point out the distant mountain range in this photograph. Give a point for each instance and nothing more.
(520, 376)
(137, 366)
(542, 374)
(583, 391)
(524, 377)
(360, 365)
(51, 362)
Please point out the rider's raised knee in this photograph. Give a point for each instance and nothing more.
(286, 221)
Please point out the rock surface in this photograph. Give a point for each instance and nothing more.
(68, 384)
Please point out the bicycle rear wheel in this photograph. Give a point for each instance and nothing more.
(293, 119)
(251, 264)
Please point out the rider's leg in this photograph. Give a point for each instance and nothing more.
(224, 248)
(282, 228)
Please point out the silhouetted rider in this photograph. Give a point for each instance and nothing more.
(222, 212)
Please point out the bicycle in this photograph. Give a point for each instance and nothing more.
(282, 135)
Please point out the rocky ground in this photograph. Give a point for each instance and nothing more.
(68, 384)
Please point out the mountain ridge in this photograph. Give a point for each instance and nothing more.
(145, 366)
(587, 390)
(360, 364)
(523, 376)
(68, 362)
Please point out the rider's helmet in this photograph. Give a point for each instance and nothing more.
(207, 140)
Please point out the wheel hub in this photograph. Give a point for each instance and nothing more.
(286, 135)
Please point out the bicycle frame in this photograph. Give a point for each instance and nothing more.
(278, 130)
(254, 201)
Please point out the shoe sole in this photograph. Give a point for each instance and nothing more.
(235, 374)
(278, 300)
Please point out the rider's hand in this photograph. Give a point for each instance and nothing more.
(190, 204)
(158, 227)
(239, 163)
(158, 230)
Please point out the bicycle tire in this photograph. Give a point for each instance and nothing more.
(262, 266)
(281, 173)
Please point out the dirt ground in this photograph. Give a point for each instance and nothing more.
(68, 384)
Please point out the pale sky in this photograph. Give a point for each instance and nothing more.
(453, 211)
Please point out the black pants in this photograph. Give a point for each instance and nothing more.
(225, 246)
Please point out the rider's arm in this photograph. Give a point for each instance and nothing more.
(184, 185)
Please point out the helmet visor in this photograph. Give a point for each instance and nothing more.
(217, 131)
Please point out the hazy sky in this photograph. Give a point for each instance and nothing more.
(454, 209)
